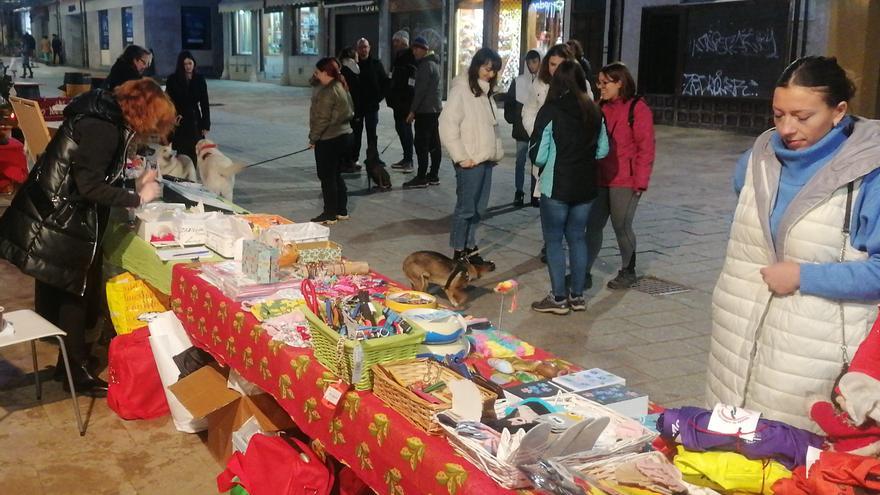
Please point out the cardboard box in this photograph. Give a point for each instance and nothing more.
(204, 394)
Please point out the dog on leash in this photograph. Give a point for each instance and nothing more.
(216, 169)
(430, 267)
(176, 165)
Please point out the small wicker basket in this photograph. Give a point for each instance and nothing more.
(338, 356)
(391, 382)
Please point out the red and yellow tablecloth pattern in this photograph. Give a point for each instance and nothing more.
(388, 453)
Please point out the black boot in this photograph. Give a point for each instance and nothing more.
(459, 255)
(85, 382)
(518, 199)
(476, 259)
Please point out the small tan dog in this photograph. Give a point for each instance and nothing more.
(430, 267)
(216, 169)
(176, 165)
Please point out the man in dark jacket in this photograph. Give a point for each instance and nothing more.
(129, 66)
(400, 95)
(28, 47)
(57, 50)
(517, 96)
(425, 111)
(373, 85)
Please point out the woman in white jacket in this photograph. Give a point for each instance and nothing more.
(469, 132)
(540, 86)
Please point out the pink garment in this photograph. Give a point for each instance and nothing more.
(631, 158)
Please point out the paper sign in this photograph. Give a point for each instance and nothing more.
(467, 403)
(333, 394)
(732, 420)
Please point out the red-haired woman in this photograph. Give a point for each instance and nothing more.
(329, 118)
(53, 228)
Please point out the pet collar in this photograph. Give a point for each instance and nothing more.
(460, 267)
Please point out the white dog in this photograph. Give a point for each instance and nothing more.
(176, 165)
(216, 169)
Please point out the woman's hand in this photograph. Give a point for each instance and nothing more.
(467, 164)
(782, 278)
(147, 187)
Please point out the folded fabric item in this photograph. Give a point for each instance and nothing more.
(835, 473)
(772, 439)
(652, 473)
(843, 435)
(729, 471)
(191, 360)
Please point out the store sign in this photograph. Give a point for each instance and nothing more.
(368, 8)
(104, 27)
(127, 26)
(195, 28)
(548, 5)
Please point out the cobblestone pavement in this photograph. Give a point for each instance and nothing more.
(658, 343)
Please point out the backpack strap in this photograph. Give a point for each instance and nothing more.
(631, 116)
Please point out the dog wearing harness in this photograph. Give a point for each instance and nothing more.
(423, 268)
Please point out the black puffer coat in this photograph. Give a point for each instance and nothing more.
(52, 229)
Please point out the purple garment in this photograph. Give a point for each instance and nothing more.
(773, 439)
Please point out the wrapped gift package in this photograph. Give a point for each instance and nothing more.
(226, 235)
(319, 252)
(297, 232)
(156, 220)
(260, 261)
(262, 221)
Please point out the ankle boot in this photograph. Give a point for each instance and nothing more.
(85, 382)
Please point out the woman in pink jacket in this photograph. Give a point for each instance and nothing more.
(625, 172)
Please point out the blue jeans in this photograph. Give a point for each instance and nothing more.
(523, 167)
(569, 220)
(405, 133)
(472, 188)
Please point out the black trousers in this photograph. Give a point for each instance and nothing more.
(327, 155)
(427, 141)
(371, 121)
(72, 313)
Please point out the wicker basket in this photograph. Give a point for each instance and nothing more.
(508, 476)
(390, 382)
(338, 358)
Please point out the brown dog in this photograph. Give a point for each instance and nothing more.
(430, 267)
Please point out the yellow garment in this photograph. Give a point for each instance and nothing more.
(271, 309)
(729, 471)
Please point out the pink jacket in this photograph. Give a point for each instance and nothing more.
(631, 158)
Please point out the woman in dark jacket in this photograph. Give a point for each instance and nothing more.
(569, 136)
(130, 65)
(53, 228)
(329, 129)
(189, 92)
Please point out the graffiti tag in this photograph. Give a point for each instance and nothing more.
(748, 42)
(717, 85)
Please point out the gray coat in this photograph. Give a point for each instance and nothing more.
(427, 97)
(330, 113)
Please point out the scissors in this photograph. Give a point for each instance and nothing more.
(311, 296)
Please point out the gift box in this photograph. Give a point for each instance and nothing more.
(226, 236)
(297, 232)
(260, 262)
(319, 252)
(155, 221)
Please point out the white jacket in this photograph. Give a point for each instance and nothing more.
(469, 125)
(768, 353)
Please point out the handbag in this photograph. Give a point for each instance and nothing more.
(277, 466)
(135, 390)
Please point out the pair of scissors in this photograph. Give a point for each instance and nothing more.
(311, 296)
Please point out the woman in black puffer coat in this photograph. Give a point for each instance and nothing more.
(189, 92)
(52, 229)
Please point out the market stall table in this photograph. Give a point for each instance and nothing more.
(389, 453)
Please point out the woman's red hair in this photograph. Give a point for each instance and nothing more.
(146, 108)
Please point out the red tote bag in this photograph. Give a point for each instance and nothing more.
(135, 390)
(272, 466)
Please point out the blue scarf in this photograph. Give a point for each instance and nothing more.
(799, 166)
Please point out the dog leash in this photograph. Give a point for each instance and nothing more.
(278, 157)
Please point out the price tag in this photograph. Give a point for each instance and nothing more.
(334, 394)
(357, 362)
(734, 420)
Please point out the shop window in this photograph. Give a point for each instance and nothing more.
(509, 29)
(127, 26)
(468, 33)
(243, 32)
(104, 27)
(272, 32)
(195, 28)
(305, 31)
(544, 24)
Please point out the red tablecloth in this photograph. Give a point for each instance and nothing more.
(388, 452)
